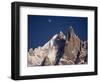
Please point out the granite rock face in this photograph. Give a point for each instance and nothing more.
(59, 50)
(75, 51)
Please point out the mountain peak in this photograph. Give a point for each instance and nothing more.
(71, 30)
(70, 33)
(61, 32)
(59, 50)
(61, 35)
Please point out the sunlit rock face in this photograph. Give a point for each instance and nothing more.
(75, 51)
(72, 46)
(56, 49)
(59, 50)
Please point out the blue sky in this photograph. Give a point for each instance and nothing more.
(42, 28)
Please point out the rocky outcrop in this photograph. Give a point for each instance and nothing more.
(75, 51)
(59, 50)
(56, 49)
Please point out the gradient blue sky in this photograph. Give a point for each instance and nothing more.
(42, 28)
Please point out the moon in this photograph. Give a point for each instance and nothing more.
(49, 20)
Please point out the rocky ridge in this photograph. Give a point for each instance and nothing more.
(59, 50)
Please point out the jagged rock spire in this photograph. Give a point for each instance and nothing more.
(61, 34)
(72, 45)
(71, 29)
(70, 33)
